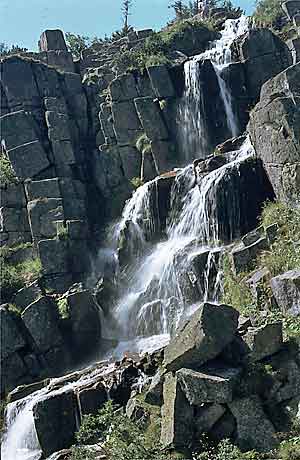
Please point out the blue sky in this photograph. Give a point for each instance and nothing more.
(22, 21)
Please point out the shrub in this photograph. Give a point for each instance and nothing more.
(15, 277)
(63, 308)
(290, 450)
(137, 182)
(268, 13)
(143, 144)
(7, 175)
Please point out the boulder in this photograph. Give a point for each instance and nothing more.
(136, 411)
(254, 430)
(244, 257)
(60, 433)
(203, 337)
(264, 341)
(23, 391)
(43, 214)
(52, 40)
(212, 386)
(154, 394)
(123, 88)
(176, 427)
(13, 372)
(151, 118)
(286, 291)
(42, 321)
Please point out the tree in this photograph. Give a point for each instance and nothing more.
(5, 50)
(268, 13)
(126, 11)
(77, 43)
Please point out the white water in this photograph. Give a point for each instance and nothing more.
(156, 283)
(191, 119)
(20, 441)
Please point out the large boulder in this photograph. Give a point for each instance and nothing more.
(12, 337)
(264, 341)
(52, 40)
(42, 321)
(286, 291)
(203, 338)
(212, 386)
(55, 419)
(254, 430)
(176, 427)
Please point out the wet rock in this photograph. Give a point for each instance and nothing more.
(61, 410)
(264, 341)
(286, 291)
(254, 430)
(203, 338)
(294, 47)
(213, 386)
(42, 321)
(122, 383)
(231, 145)
(26, 390)
(176, 427)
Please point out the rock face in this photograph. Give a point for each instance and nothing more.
(210, 329)
(275, 135)
(286, 291)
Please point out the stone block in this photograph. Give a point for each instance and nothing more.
(14, 220)
(48, 188)
(254, 430)
(203, 337)
(13, 371)
(126, 122)
(151, 118)
(286, 291)
(54, 256)
(41, 319)
(161, 81)
(52, 40)
(61, 60)
(206, 417)
(91, 400)
(27, 295)
(243, 257)
(212, 386)
(43, 214)
(264, 341)
(123, 88)
(58, 126)
(131, 162)
(61, 409)
(13, 196)
(177, 414)
(28, 160)
(154, 394)
(77, 229)
(17, 128)
(291, 8)
(79, 256)
(55, 104)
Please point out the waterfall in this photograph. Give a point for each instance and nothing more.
(191, 120)
(157, 288)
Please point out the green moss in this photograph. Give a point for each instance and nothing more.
(63, 308)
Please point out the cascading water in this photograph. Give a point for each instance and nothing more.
(192, 125)
(161, 283)
(157, 293)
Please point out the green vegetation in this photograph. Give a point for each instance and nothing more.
(225, 450)
(137, 182)
(6, 50)
(3, 404)
(290, 449)
(284, 254)
(16, 276)
(62, 233)
(143, 144)
(63, 308)
(7, 175)
(268, 13)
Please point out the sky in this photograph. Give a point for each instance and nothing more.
(23, 21)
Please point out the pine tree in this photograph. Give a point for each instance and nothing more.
(126, 11)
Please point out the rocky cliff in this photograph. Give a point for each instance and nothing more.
(77, 138)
